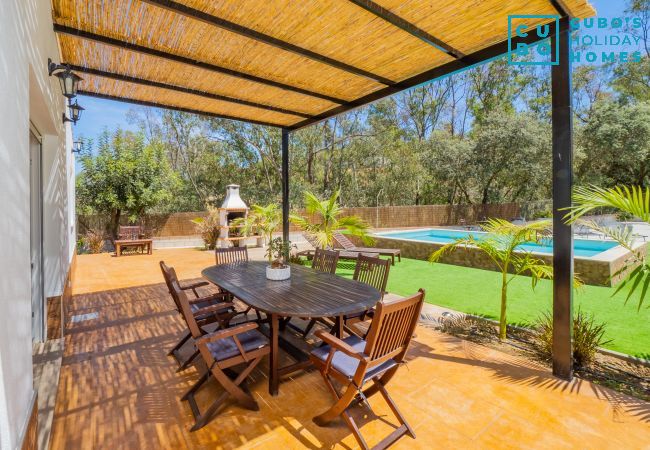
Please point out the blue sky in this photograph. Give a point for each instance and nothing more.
(101, 114)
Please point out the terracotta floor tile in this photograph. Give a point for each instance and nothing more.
(119, 390)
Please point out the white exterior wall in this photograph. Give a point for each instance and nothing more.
(27, 93)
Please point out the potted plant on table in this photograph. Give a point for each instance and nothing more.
(278, 268)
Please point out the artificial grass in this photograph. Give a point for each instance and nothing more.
(477, 291)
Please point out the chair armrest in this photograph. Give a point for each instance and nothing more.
(213, 309)
(228, 332)
(194, 285)
(220, 296)
(337, 344)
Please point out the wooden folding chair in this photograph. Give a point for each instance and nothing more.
(230, 255)
(373, 271)
(198, 307)
(323, 261)
(233, 255)
(355, 362)
(221, 350)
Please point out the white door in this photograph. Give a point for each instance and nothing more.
(36, 234)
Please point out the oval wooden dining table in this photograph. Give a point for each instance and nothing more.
(307, 294)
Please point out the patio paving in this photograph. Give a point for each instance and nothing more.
(118, 389)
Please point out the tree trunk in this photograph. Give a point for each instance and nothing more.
(115, 224)
(503, 324)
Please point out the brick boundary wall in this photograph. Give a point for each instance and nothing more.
(179, 224)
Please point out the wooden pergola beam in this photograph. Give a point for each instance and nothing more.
(157, 84)
(407, 26)
(63, 29)
(479, 57)
(175, 108)
(560, 7)
(264, 38)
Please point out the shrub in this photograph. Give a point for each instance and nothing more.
(588, 335)
(463, 325)
(624, 216)
(209, 227)
(93, 241)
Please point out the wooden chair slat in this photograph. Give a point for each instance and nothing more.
(325, 260)
(373, 271)
(231, 255)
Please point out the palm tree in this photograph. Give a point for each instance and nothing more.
(327, 215)
(634, 201)
(501, 245)
(262, 219)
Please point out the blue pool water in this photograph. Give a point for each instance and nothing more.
(582, 247)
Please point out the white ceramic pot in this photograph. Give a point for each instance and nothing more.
(278, 274)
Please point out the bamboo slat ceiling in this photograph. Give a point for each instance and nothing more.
(282, 62)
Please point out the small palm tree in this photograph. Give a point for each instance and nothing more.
(501, 245)
(634, 201)
(328, 220)
(261, 219)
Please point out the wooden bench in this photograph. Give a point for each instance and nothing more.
(132, 236)
(140, 243)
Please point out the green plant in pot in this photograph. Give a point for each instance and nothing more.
(261, 219)
(278, 269)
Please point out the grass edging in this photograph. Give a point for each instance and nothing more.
(604, 351)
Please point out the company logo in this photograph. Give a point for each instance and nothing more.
(595, 40)
(521, 28)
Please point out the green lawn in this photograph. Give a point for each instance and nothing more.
(477, 291)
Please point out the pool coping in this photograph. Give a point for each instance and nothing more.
(609, 255)
(604, 269)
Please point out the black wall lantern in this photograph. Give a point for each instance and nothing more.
(77, 146)
(67, 78)
(75, 111)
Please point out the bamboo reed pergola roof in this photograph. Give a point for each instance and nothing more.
(283, 63)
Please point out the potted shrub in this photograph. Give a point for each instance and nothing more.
(278, 269)
(261, 219)
(208, 227)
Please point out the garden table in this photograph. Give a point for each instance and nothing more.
(307, 294)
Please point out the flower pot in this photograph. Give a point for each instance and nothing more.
(281, 273)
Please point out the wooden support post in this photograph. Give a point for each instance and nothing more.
(562, 185)
(285, 186)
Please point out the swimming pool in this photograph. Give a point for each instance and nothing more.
(582, 247)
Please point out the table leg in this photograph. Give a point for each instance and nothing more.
(274, 381)
(339, 327)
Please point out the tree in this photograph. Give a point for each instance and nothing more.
(632, 78)
(124, 177)
(509, 159)
(327, 218)
(616, 145)
(501, 245)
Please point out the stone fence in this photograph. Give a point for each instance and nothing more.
(179, 224)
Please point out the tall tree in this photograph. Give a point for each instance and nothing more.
(616, 145)
(126, 176)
